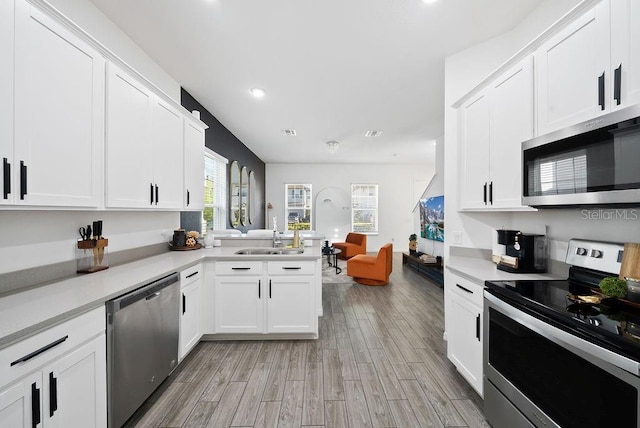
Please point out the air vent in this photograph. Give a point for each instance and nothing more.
(373, 133)
(289, 132)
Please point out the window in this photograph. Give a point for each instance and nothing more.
(364, 208)
(298, 211)
(215, 193)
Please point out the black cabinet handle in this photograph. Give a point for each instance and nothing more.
(6, 173)
(259, 283)
(188, 198)
(151, 193)
(269, 288)
(53, 394)
(23, 180)
(39, 351)
(192, 274)
(601, 91)
(485, 193)
(35, 405)
(291, 267)
(617, 84)
(463, 288)
(478, 327)
(157, 195)
(491, 192)
(184, 303)
(240, 268)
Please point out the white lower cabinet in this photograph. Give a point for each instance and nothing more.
(277, 297)
(57, 378)
(464, 328)
(191, 284)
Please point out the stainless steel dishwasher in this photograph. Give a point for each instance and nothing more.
(142, 345)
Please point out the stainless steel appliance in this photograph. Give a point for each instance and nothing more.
(592, 163)
(525, 253)
(142, 345)
(554, 357)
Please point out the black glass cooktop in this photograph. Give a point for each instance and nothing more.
(611, 323)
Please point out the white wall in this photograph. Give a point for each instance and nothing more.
(95, 23)
(331, 186)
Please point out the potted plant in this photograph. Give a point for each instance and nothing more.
(413, 243)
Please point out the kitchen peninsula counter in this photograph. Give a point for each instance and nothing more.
(28, 312)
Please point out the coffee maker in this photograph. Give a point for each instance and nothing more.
(524, 253)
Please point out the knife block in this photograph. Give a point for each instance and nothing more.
(91, 255)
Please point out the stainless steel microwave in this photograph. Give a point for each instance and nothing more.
(596, 162)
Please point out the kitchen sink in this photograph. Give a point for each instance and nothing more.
(269, 251)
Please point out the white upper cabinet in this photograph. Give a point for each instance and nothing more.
(6, 100)
(59, 114)
(573, 72)
(474, 138)
(511, 124)
(128, 141)
(167, 155)
(193, 166)
(625, 53)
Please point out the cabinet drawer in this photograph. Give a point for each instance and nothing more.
(466, 289)
(291, 267)
(238, 268)
(23, 357)
(190, 275)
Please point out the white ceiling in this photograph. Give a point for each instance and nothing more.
(332, 69)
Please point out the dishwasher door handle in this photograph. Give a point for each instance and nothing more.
(153, 296)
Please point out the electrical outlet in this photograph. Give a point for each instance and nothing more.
(456, 237)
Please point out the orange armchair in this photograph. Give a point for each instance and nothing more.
(372, 270)
(356, 243)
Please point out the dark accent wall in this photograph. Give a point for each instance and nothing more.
(222, 141)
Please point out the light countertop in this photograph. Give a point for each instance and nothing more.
(480, 270)
(28, 312)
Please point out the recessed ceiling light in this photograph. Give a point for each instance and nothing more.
(289, 132)
(429, 1)
(257, 92)
(373, 133)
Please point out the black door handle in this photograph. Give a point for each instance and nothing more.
(184, 303)
(269, 288)
(23, 180)
(464, 288)
(617, 84)
(53, 394)
(485, 193)
(39, 351)
(478, 327)
(188, 198)
(491, 193)
(601, 91)
(6, 173)
(35, 405)
(259, 281)
(151, 193)
(157, 195)
(192, 274)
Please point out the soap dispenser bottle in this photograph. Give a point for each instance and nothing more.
(296, 239)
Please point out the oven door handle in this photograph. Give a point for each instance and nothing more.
(562, 337)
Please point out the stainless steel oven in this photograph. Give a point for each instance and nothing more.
(552, 362)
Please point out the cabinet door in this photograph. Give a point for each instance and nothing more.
(239, 304)
(21, 402)
(59, 111)
(572, 69)
(511, 124)
(167, 154)
(75, 388)
(129, 150)
(193, 166)
(190, 317)
(6, 101)
(290, 304)
(625, 51)
(474, 138)
(464, 339)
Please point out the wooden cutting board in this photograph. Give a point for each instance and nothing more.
(630, 261)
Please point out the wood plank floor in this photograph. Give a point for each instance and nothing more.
(380, 361)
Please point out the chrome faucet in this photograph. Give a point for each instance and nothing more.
(277, 242)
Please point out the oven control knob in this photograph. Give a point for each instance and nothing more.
(581, 251)
(596, 254)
